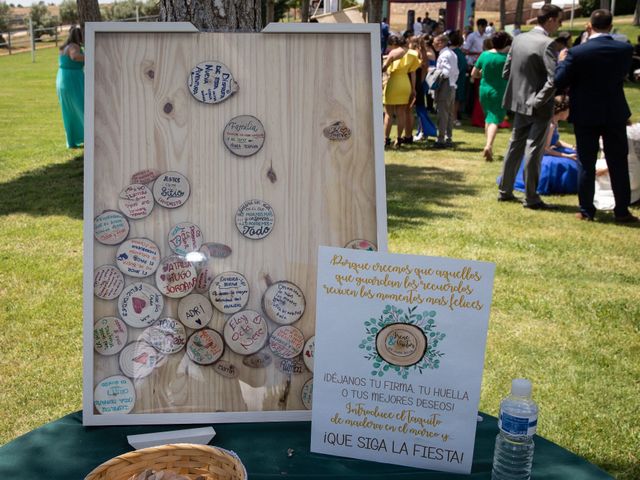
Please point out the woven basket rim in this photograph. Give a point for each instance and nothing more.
(129, 456)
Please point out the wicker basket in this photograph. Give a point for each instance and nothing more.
(186, 459)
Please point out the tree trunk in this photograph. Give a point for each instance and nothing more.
(375, 11)
(606, 4)
(503, 14)
(218, 15)
(271, 11)
(304, 10)
(519, 8)
(88, 11)
(636, 15)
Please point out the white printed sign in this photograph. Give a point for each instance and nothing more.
(399, 352)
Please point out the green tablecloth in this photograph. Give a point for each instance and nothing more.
(65, 450)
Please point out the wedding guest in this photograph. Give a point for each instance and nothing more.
(529, 71)
(595, 72)
(472, 46)
(426, 128)
(489, 69)
(447, 71)
(70, 87)
(384, 34)
(461, 84)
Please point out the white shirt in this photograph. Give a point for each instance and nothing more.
(417, 28)
(490, 30)
(448, 63)
(540, 29)
(473, 44)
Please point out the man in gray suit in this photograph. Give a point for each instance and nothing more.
(529, 71)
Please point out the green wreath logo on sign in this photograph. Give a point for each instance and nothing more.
(402, 342)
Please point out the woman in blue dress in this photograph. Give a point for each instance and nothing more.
(560, 166)
(70, 87)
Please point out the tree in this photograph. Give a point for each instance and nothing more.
(88, 11)
(636, 14)
(503, 14)
(4, 22)
(304, 10)
(519, 9)
(209, 15)
(41, 18)
(69, 12)
(373, 10)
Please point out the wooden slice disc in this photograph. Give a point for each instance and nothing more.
(360, 244)
(138, 257)
(307, 394)
(136, 201)
(246, 332)
(286, 341)
(229, 292)
(211, 82)
(337, 131)
(215, 250)
(258, 360)
(205, 347)
(110, 227)
(283, 302)
(139, 359)
(114, 394)
(308, 352)
(291, 366)
(140, 304)
(401, 344)
(167, 335)
(205, 277)
(226, 369)
(108, 282)
(255, 219)
(109, 335)
(185, 237)
(175, 277)
(145, 176)
(195, 311)
(171, 190)
(244, 135)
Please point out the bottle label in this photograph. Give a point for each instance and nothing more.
(517, 426)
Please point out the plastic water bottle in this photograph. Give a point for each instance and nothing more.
(513, 455)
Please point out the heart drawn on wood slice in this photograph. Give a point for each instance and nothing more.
(138, 304)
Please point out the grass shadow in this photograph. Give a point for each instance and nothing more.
(52, 190)
(417, 193)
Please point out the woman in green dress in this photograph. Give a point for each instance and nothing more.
(488, 69)
(70, 87)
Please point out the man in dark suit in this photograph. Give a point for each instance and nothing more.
(529, 71)
(594, 72)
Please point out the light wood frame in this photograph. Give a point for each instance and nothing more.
(373, 118)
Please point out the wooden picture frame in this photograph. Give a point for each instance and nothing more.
(298, 79)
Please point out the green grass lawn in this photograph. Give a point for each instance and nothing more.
(566, 310)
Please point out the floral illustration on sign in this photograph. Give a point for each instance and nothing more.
(402, 341)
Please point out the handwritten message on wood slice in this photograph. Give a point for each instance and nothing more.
(205, 347)
(229, 292)
(185, 237)
(337, 131)
(286, 342)
(139, 359)
(108, 282)
(215, 250)
(291, 366)
(307, 394)
(255, 219)
(114, 394)
(171, 190)
(138, 257)
(244, 135)
(258, 360)
(211, 82)
(308, 352)
(167, 335)
(205, 277)
(110, 227)
(283, 302)
(195, 311)
(145, 176)
(140, 304)
(226, 369)
(246, 332)
(360, 244)
(175, 277)
(136, 201)
(109, 335)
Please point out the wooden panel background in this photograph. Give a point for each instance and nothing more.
(296, 84)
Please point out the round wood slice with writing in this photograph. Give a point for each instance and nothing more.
(109, 335)
(337, 131)
(138, 257)
(307, 394)
(108, 282)
(145, 176)
(291, 366)
(246, 332)
(229, 292)
(360, 244)
(244, 135)
(110, 227)
(255, 219)
(176, 277)
(167, 335)
(286, 342)
(136, 201)
(226, 369)
(258, 360)
(171, 190)
(140, 304)
(139, 359)
(211, 82)
(185, 237)
(283, 302)
(205, 347)
(195, 311)
(401, 344)
(114, 394)
(308, 352)
(205, 277)
(215, 250)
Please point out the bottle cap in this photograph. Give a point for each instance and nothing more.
(140, 304)
(175, 277)
(195, 311)
(521, 387)
(138, 257)
(185, 237)
(136, 201)
(255, 219)
(229, 292)
(246, 332)
(171, 190)
(114, 394)
(244, 135)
